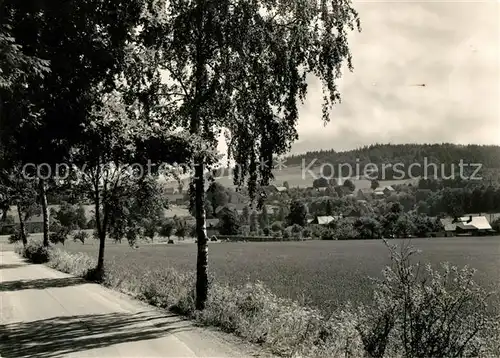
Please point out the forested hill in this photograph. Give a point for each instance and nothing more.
(487, 155)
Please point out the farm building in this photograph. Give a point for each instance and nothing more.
(325, 220)
(466, 225)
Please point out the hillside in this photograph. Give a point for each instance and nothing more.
(294, 170)
(488, 155)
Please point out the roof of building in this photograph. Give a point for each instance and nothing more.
(324, 220)
(236, 207)
(466, 223)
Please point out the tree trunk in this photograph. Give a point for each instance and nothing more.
(100, 258)
(22, 226)
(201, 234)
(101, 233)
(45, 213)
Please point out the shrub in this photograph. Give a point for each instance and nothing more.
(35, 252)
(317, 231)
(78, 264)
(181, 231)
(165, 287)
(167, 228)
(345, 230)
(277, 233)
(495, 225)
(150, 229)
(296, 229)
(286, 234)
(306, 232)
(245, 230)
(17, 237)
(59, 234)
(277, 226)
(266, 231)
(80, 236)
(426, 313)
(328, 234)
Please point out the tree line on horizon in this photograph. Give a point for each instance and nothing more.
(445, 153)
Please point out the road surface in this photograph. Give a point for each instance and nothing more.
(46, 313)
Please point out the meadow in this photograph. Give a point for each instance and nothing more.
(324, 274)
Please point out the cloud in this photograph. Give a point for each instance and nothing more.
(451, 47)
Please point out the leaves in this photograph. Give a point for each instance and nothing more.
(241, 67)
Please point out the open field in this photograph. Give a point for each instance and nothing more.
(322, 273)
(295, 178)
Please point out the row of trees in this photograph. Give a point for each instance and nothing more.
(447, 153)
(104, 84)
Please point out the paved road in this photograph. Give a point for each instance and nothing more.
(45, 313)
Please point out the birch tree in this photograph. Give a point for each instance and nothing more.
(241, 67)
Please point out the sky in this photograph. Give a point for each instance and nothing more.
(450, 46)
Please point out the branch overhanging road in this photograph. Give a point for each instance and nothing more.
(46, 313)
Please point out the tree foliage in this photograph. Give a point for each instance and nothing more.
(229, 222)
(216, 196)
(297, 214)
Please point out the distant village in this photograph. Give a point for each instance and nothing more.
(325, 210)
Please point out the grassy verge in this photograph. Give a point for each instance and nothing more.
(253, 312)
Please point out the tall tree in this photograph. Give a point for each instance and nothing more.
(298, 213)
(111, 162)
(21, 192)
(242, 66)
(245, 215)
(84, 44)
(264, 218)
(254, 221)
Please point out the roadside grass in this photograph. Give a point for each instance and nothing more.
(287, 328)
